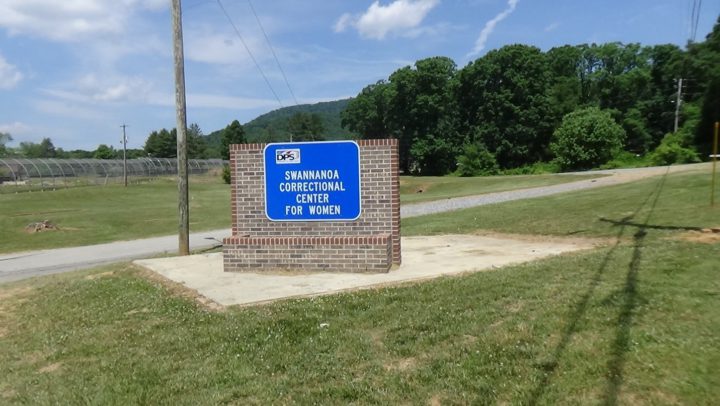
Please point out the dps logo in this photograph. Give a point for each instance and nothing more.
(287, 156)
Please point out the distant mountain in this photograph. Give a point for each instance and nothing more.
(272, 126)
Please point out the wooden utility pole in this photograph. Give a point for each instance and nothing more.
(678, 101)
(183, 209)
(714, 161)
(124, 142)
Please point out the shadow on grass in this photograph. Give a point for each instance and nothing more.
(650, 226)
(620, 346)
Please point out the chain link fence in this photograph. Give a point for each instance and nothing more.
(17, 174)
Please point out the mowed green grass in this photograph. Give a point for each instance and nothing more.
(98, 214)
(634, 322)
(683, 203)
(415, 189)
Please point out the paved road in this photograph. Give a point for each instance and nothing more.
(35, 263)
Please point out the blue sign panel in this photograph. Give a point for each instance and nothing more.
(312, 181)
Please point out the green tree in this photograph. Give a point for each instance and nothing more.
(105, 152)
(196, 145)
(586, 138)
(234, 133)
(367, 113)
(422, 115)
(638, 138)
(4, 139)
(45, 149)
(306, 127)
(504, 102)
(658, 107)
(161, 144)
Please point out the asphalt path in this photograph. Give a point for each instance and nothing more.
(24, 265)
(45, 262)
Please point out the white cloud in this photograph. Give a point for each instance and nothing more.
(62, 108)
(10, 76)
(204, 45)
(490, 27)
(93, 89)
(552, 26)
(70, 20)
(400, 16)
(15, 128)
(343, 22)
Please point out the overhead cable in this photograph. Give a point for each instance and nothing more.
(249, 52)
(273, 52)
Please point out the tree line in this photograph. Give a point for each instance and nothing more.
(576, 107)
(47, 149)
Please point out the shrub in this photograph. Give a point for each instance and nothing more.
(586, 138)
(476, 160)
(625, 159)
(226, 173)
(671, 151)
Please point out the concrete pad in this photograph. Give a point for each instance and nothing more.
(423, 257)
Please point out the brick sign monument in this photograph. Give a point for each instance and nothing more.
(315, 206)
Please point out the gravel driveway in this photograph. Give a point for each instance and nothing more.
(615, 176)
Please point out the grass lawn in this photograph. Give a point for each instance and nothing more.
(636, 322)
(683, 204)
(415, 189)
(98, 214)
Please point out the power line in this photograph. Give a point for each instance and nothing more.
(249, 52)
(273, 52)
(695, 19)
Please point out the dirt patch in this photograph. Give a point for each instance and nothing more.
(8, 393)
(50, 368)
(41, 226)
(401, 365)
(9, 300)
(514, 307)
(709, 235)
(99, 275)
(376, 338)
(12, 293)
(136, 311)
(435, 400)
(468, 339)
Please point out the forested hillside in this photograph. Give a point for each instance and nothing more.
(273, 126)
(576, 107)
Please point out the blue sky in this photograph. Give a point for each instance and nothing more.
(75, 70)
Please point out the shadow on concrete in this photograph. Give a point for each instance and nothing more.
(620, 346)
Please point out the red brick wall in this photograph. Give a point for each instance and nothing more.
(380, 201)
